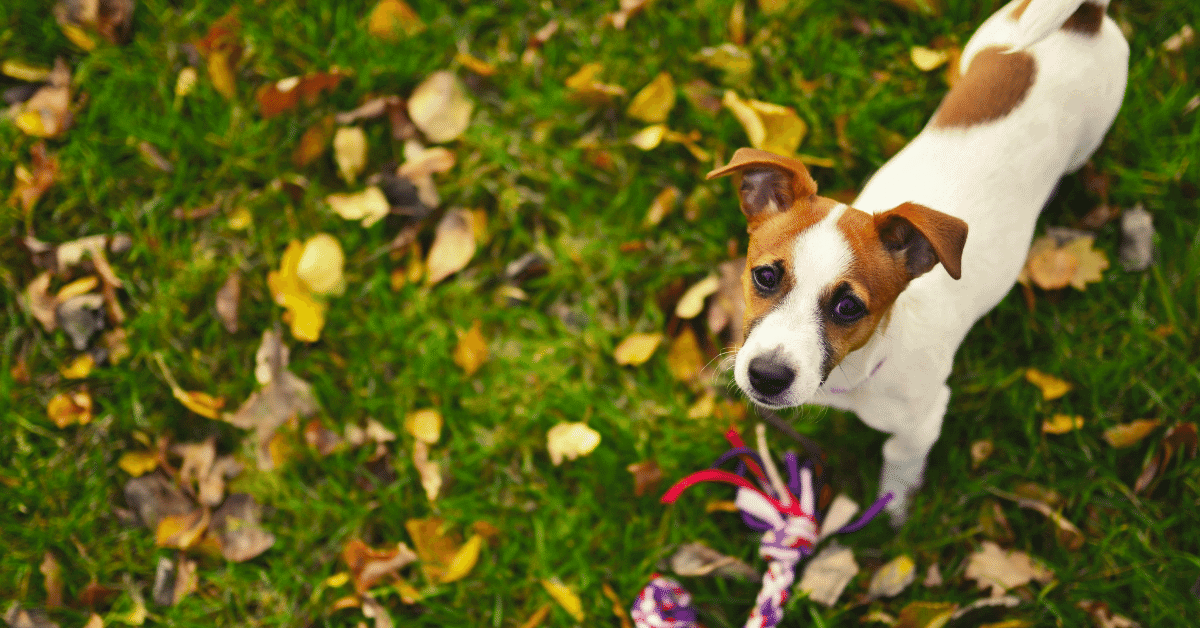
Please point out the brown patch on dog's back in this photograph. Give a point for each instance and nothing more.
(1019, 11)
(994, 84)
(1086, 20)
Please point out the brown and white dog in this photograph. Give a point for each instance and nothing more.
(845, 306)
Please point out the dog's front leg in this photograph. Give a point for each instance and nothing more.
(914, 425)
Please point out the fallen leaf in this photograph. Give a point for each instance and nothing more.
(1051, 386)
(1185, 37)
(1103, 616)
(685, 360)
(893, 577)
(463, 560)
(585, 86)
(619, 608)
(626, 10)
(933, 577)
(650, 137)
(283, 95)
(31, 185)
(1128, 434)
(692, 302)
(471, 351)
(453, 246)
(24, 71)
(434, 544)
(827, 574)
(570, 441)
(646, 476)
(440, 108)
(1048, 266)
(928, 59)
(81, 317)
(652, 104)
(1002, 570)
(154, 497)
(390, 19)
(182, 531)
(664, 203)
(925, 614)
(430, 472)
(704, 406)
(47, 113)
(1061, 424)
(369, 205)
(369, 566)
(565, 597)
(236, 525)
(305, 314)
(768, 126)
(1183, 437)
(637, 348)
(111, 19)
(313, 143)
(138, 463)
(228, 299)
(1091, 262)
(321, 438)
(734, 61)
(321, 267)
(350, 152)
(186, 81)
(697, 559)
(74, 408)
(19, 617)
(424, 425)
(79, 368)
(980, 451)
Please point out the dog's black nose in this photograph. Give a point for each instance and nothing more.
(770, 377)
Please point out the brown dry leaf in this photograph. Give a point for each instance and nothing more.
(222, 50)
(283, 95)
(236, 526)
(1051, 386)
(429, 471)
(586, 87)
(1048, 266)
(197, 461)
(390, 19)
(980, 451)
(928, 59)
(637, 348)
(228, 299)
(1185, 37)
(1182, 436)
(111, 19)
(566, 598)
(692, 302)
(350, 152)
(1091, 263)
(314, 141)
(1128, 434)
(285, 395)
(154, 497)
(47, 113)
(1002, 570)
(626, 10)
(321, 438)
(1103, 616)
(703, 96)
(424, 425)
(182, 531)
(664, 203)
(925, 614)
(368, 566)
(370, 205)
(684, 357)
(31, 185)
(697, 559)
(440, 108)
(646, 476)
(1061, 424)
(453, 246)
(893, 577)
(570, 440)
(52, 574)
(74, 408)
(733, 60)
(652, 104)
(434, 544)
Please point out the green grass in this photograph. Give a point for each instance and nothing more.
(384, 353)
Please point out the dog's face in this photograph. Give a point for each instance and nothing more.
(820, 276)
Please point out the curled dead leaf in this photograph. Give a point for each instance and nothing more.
(637, 348)
(1128, 434)
(652, 104)
(453, 246)
(570, 440)
(1002, 570)
(827, 574)
(471, 351)
(565, 597)
(1051, 386)
(440, 108)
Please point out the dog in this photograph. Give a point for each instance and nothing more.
(845, 305)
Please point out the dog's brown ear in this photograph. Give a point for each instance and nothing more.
(769, 182)
(923, 237)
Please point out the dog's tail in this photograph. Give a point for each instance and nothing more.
(1038, 18)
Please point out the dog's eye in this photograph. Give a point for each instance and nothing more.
(847, 310)
(766, 277)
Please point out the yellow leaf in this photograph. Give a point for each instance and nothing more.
(1061, 424)
(475, 64)
(927, 59)
(784, 129)
(429, 471)
(618, 608)
(893, 577)
(338, 580)
(664, 203)
(654, 101)
(350, 152)
(570, 441)
(704, 406)
(181, 531)
(735, 61)
(30, 122)
(747, 116)
(80, 286)
(636, 349)
(390, 18)
(138, 463)
(464, 560)
(684, 357)
(650, 137)
(1127, 434)
(440, 108)
(203, 404)
(737, 23)
(537, 617)
(220, 72)
(186, 81)
(305, 314)
(70, 408)
(1052, 387)
(369, 205)
(692, 302)
(586, 87)
(453, 246)
(78, 36)
(79, 368)
(1091, 263)
(321, 266)
(23, 71)
(472, 350)
(565, 597)
(425, 425)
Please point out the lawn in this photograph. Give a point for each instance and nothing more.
(206, 184)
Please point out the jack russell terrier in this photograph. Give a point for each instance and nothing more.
(844, 305)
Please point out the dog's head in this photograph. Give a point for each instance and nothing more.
(821, 276)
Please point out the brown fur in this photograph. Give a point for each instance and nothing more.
(993, 86)
(1019, 11)
(1086, 20)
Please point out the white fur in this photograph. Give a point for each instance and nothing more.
(996, 176)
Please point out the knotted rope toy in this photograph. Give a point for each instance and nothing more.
(785, 513)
